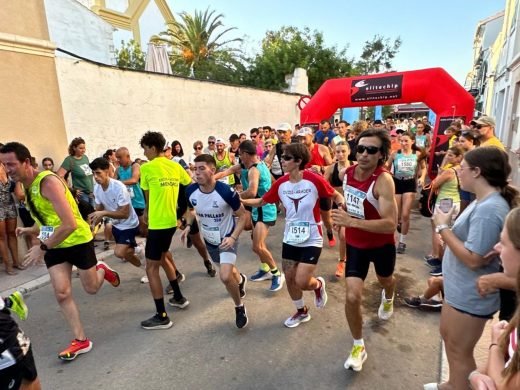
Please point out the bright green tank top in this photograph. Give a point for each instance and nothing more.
(450, 190)
(43, 212)
(224, 164)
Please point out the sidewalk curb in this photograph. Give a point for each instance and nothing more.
(44, 280)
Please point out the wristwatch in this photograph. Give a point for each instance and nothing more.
(43, 247)
(440, 228)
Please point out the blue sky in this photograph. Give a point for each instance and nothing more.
(434, 32)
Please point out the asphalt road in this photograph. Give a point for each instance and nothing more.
(204, 349)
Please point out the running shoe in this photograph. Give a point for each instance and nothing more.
(139, 252)
(401, 248)
(386, 308)
(340, 269)
(428, 257)
(320, 295)
(17, 305)
(106, 245)
(144, 279)
(157, 322)
(242, 286)
(357, 357)
(437, 271)
(301, 315)
(75, 348)
(331, 238)
(431, 386)
(111, 276)
(180, 303)
(431, 304)
(261, 275)
(180, 276)
(210, 268)
(241, 317)
(413, 302)
(434, 262)
(277, 282)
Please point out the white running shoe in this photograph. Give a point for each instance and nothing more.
(357, 357)
(320, 294)
(144, 279)
(297, 318)
(139, 252)
(431, 386)
(386, 308)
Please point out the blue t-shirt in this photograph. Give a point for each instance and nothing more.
(266, 213)
(479, 227)
(320, 136)
(214, 210)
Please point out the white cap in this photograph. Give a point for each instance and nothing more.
(220, 141)
(305, 131)
(283, 127)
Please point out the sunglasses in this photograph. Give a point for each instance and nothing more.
(198, 148)
(211, 142)
(287, 158)
(481, 126)
(253, 136)
(369, 149)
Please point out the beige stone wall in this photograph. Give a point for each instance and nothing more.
(110, 107)
(30, 107)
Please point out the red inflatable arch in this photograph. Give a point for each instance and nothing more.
(433, 87)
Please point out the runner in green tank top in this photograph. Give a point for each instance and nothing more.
(65, 239)
(224, 160)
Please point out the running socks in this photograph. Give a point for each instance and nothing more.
(275, 271)
(177, 295)
(300, 305)
(264, 267)
(359, 342)
(159, 306)
(402, 238)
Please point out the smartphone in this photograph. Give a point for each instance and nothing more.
(446, 204)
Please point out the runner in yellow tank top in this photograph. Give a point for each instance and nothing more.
(65, 239)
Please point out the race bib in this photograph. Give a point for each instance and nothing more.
(45, 232)
(406, 165)
(354, 199)
(211, 234)
(420, 142)
(297, 232)
(131, 192)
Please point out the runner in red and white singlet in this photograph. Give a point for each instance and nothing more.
(370, 220)
(300, 192)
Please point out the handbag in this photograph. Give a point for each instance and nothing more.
(427, 201)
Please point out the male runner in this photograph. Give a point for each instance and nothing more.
(160, 179)
(113, 201)
(65, 239)
(215, 204)
(256, 181)
(370, 221)
(274, 158)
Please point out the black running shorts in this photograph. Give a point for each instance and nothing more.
(306, 254)
(404, 186)
(158, 242)
(82, 256)
(358, 261)
(25, 369)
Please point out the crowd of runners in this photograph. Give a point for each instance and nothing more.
(357, 182)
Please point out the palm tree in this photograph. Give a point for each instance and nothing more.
(194, 40)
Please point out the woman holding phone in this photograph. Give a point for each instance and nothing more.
(484, 172)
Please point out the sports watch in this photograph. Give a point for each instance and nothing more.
(440, 228)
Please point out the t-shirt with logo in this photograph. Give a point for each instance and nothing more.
(115, 196)
(161, 178)
(82, 176)
(302, 209)
(214, 210)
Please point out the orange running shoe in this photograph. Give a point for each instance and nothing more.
(75, 348)
(111, 276)
(340, 269)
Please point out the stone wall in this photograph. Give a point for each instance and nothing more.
(110, 107)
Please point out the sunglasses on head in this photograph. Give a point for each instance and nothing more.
(287, 157)
(369, 149)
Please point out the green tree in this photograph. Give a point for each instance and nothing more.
(130, 56)
(377, 55)
(197, 48)
(288, 48)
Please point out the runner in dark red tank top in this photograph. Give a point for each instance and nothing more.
(370, 220)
